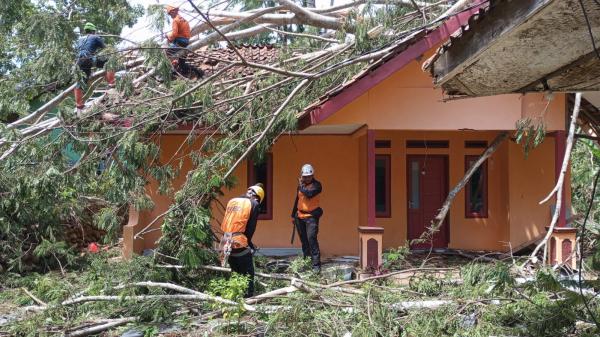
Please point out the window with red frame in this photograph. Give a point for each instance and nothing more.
(382, 186)
(262, 172)
(476, 194)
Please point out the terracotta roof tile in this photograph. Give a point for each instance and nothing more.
(213, 60)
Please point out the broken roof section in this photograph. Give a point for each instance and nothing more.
(402, 52)
(522, 46)
(211, 60)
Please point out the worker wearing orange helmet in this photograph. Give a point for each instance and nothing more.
(238, 226)
(179, 38)
(180, 33)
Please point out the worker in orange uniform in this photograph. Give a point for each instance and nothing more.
(238, 226)
(306, 214)
(179, 38)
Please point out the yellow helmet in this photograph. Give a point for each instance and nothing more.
(260, 192)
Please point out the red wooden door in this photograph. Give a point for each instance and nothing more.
(427, 182)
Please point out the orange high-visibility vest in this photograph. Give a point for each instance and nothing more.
(235, 220)
(307, 205)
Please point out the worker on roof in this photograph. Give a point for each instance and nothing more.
(180, 33)
(87, 48)
(179, 38)
(306, 214)
(238, 226)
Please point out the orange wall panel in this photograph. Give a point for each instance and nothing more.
(407, 101)
(530, 180)
(335, 159)
(536, 107)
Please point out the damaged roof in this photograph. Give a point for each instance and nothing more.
(396, 49)
(404, 51)
(522, 46)
(211, 60)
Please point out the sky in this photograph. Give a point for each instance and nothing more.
(141, 30)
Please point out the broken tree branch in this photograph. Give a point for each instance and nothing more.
(558, 189)
(268, 127)
(377, 277)
(567, 155)
(438, 220)
(275, 277)
(221, 32)
(312, 18)
(455, 8)
(100, 327)
(310, 36)
(33, 297)
(271, 294)
(164, 285)
(420, 10)
(186, 297)
(401, 3)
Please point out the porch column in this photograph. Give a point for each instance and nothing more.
(370, 236)
(560, 143)
(562, 242)
(371, 178)
(131, 245)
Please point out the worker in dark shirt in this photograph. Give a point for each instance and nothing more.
(88, 47)
(238, 226)
(306, 214)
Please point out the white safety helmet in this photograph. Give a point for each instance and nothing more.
(307, 170)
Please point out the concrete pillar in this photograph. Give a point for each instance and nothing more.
(562, 248)
(370, 239)
(370, 236)
(131, 245)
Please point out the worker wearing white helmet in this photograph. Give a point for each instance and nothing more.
(306, 214)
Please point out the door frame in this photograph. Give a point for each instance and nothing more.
(446, 159)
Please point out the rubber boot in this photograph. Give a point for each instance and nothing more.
(175, 64)
(78, 93)
(110, 78)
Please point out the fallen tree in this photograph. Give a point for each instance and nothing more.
(119, 128)
(473, 299)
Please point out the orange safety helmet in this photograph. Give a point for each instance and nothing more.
(170, 8)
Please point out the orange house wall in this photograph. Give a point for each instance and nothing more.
(530, 180)
(362, 171)
(514, 183)
(335, 159)
(407, 101)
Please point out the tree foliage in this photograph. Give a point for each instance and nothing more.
(36, 49)
(52, 176)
